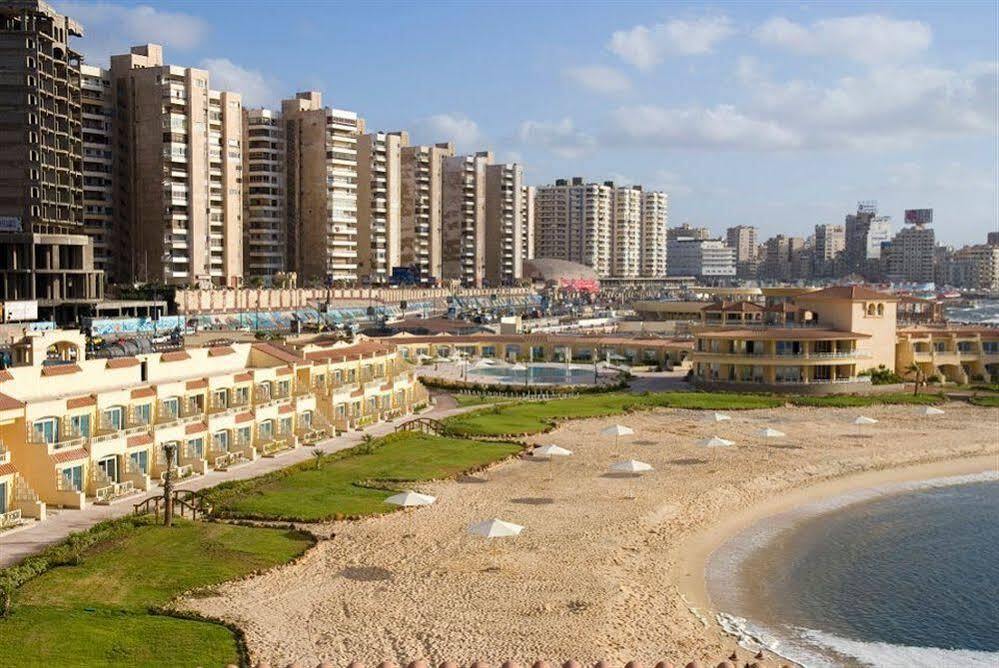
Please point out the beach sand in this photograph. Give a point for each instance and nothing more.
(607, 567)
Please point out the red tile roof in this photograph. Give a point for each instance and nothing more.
(80, 402)
(354, 352)
(143, 392)
(218, 351)
(278, 352)
(175, 356)
(5, 375)
(735, 307)
(136, 441)
(244, 417)
(198, 384)
(286, 408)
(7, 469)
(357, 393)
(195, 427)
(10, 403)
(63, 456)
(780, 334)
(243, 377)
(122, 362)
(60, 369)
(284, 371)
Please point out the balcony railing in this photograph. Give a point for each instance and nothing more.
(273, 446)
(113, 491)
(179, 472)
(224, 461)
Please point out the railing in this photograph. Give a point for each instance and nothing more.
(424, 425)
(272, 446)
(179, 472)
(114, 490)
(223, 462)
(787, 356)
(64, 442)
(10, 519)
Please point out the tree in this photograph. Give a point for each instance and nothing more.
(920, 377)
(319, 453)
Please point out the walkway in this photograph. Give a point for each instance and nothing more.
(17, 544)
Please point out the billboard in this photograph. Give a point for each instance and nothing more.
(918, 216)
(19, 311)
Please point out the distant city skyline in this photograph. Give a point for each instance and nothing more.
(773, 115)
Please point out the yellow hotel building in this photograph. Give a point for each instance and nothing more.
(77, 431)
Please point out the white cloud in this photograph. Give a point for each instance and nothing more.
(600, 79)
(719, 127)
(110, 29)
(453, 127)
(561, 137)
(671, 183)
(256, 89)
(644, 46)
(868, 38)
(949, 177)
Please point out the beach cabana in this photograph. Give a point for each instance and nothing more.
(715, 442)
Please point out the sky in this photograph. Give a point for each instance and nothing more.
(778, 115)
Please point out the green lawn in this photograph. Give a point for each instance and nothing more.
(476, 400)
(988, 401)
(860, 400)
(534, 417)
(356, 482)
(97, 611)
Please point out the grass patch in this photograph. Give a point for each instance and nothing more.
(464, 400)
(98, 610)
(356, 482)
(988, 401)
(535, 417)
(861, 400)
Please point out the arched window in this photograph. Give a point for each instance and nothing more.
(870, 309)
(881, 309)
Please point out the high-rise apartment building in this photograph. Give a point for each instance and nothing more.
(974, 267)
(97, 110)
(527, 195)
(865, 231)
(464, 222)
(909, 255)
(743, 238)
(321, 146)
(687, 231)
(573, 222)
(655, 224)
(626, 230)
(701, 258)
(422, 217)
(44, 253)
(178, 178)
(265, 232)
(504, 224)
(785, 259)
(828, 247)
(379, 203)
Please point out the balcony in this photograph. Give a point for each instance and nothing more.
(224, 461)
(108, 493)
(10, 519)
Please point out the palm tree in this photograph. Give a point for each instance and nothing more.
(319, 453)
(915, 370)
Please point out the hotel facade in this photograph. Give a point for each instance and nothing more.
(79, 431)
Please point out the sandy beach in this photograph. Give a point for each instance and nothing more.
(607, 567)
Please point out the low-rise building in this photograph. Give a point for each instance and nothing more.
(949, 353)
(77, 431)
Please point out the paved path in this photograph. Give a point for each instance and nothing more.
(17, 544)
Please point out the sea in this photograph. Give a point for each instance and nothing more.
(906, 575)
(984, 312)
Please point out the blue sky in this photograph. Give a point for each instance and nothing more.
(780, 115)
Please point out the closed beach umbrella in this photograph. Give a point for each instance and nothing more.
(495, 528)
(863, 419)
(715, 442)
(518, 367)
(617, 431)
(719, 417)
(631, 466)
(550, 452)
(930, 410)
(770, 432)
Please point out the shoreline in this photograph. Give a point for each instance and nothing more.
(826, 496)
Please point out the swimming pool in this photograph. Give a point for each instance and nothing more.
(541, 375)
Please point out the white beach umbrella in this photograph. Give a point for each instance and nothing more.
(518, 367)
(631, 466)
(770, 432)
(410, 498)
(715, 442)
(718, 417)
(550, 451)
(617, 431)
(930, 410)
(863, 419)
(495, 528)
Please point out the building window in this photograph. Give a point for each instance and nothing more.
(139, 461)
(46, 430)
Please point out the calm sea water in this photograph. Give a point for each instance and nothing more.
(910, 579)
